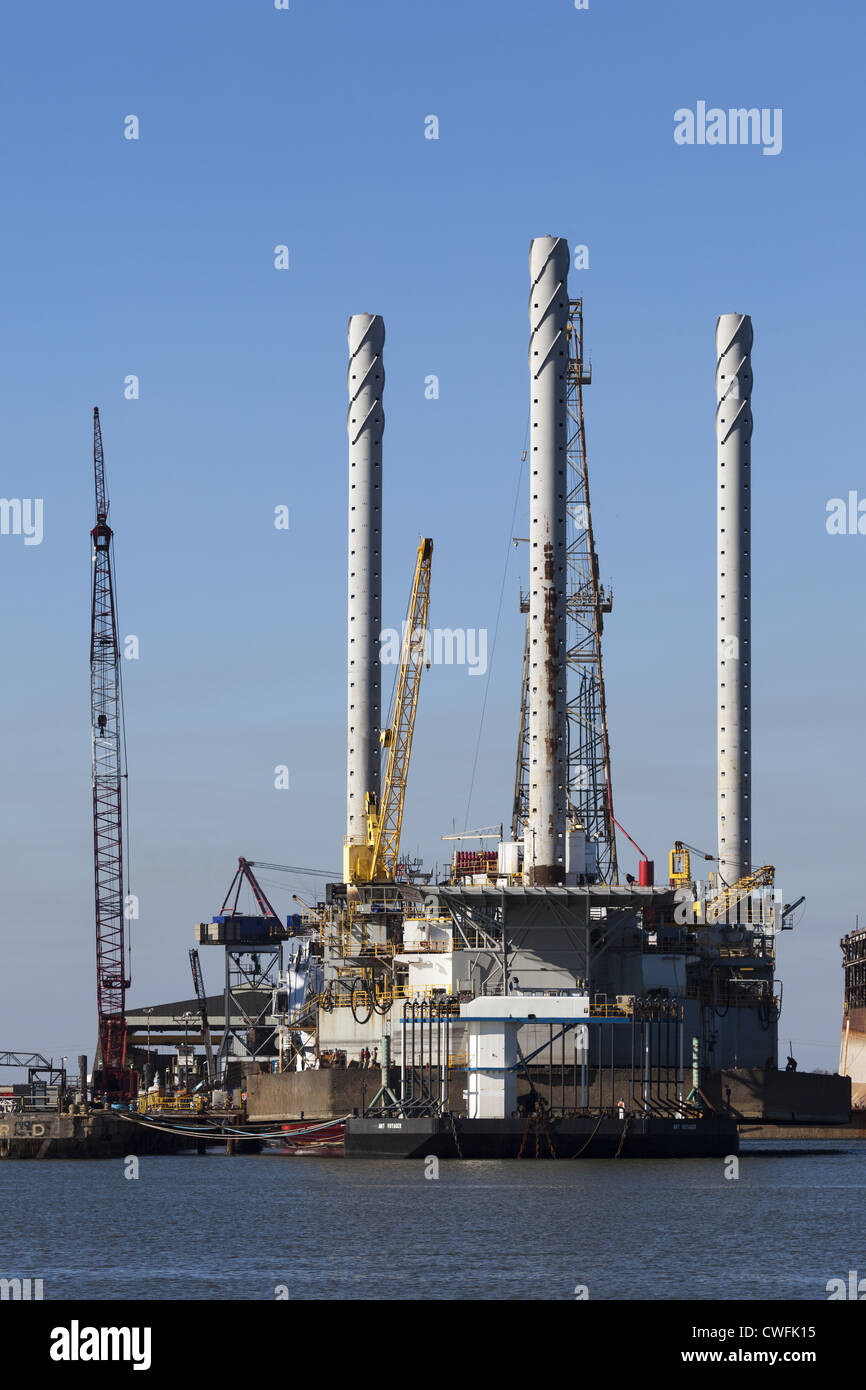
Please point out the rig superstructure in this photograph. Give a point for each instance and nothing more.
(546, 916)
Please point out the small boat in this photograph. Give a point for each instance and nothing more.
(323, 1138)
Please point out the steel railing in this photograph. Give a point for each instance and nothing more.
(178, 1103)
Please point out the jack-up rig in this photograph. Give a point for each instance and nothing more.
(531, 986)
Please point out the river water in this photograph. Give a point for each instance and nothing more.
(268, 1226)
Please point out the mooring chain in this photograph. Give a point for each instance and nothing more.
(549, 1137)
(454, 1134)
(525, 1134)
(622, 1138)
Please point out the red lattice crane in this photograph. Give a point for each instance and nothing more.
(112, 1078)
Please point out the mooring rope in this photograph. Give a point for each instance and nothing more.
(591, 1137)
(229, 1131)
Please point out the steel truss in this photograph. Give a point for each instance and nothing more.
(589, 777)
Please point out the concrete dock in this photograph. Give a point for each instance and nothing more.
(97, 1134)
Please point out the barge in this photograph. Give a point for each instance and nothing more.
(606, 1136)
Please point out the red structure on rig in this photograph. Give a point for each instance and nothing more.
(112, 1079)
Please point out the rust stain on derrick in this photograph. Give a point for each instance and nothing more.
(547, 875)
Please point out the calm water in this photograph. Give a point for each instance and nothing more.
(214, 1227)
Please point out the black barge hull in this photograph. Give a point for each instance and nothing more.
(570, 1137)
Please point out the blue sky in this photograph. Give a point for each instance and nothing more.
(155, 257)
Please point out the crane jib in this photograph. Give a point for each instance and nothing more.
(112, 1078)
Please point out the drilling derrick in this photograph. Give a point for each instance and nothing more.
(589, 782)
(107, 772)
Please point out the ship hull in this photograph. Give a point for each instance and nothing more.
(853, 1055)
(570, 1137)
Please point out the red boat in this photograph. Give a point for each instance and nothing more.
(324, 1138)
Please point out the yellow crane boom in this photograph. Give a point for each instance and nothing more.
(728, 899)
(384, 822)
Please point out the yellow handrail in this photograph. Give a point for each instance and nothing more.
(151, 1101)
